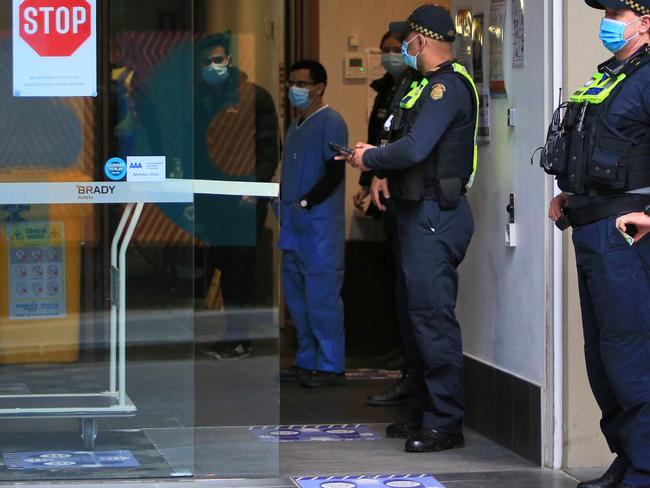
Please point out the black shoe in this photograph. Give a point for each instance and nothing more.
(292, 374)
(608, 480)
(397, 394)
(403, 429)
(430, 440)
(314, 379)
(228, 351)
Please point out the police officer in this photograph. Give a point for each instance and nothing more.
(598, 148)
(427, 167)
(390, 89)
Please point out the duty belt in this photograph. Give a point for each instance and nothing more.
(431, 191)
(575, 217)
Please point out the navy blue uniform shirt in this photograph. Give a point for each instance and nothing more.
(629, 112)
(433, 118)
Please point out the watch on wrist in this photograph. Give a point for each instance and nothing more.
(304, 203)
(646, 210)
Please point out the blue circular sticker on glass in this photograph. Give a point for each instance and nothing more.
(115, 169)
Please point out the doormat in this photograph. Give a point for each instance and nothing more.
(383, 481)
(149, 462)
(314, 433)
(70, 460)
(372, 374)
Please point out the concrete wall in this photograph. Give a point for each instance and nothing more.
(584, 444)
(369, 20)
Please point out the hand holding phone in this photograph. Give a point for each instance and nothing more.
(346, 151)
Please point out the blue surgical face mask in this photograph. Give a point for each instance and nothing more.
(393, 63)
(299, 97)
(215, 74)
(612, 34)
(410, 59)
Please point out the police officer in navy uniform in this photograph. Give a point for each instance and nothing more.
(598, 147)
(423, 174)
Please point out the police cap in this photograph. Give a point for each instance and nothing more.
(429, 20)
(641, 7)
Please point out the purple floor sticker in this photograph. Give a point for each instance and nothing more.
(314, 433)
(383, 481)
(69, 460)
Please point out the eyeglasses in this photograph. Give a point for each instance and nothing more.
(391, 50)
(214, 60)
(299, 83)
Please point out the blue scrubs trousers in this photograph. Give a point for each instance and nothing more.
(614, 281)
(430, 244)
(313, 298)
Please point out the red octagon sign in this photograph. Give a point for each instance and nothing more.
(55, 27)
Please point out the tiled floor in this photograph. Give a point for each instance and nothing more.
(234, 395)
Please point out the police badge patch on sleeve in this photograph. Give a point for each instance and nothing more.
(438, 91)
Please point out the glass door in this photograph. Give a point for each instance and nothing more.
(98, 275)
(139, 280)
(238, 53)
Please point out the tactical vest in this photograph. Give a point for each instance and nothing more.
(448, 171)
(587, 155)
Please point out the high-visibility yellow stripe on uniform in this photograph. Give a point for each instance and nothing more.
(597, 91)
(460, 69)
(413, 96)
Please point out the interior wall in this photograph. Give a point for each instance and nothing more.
(584, 444)
(502, 300)
(368, 19)
(497, 328)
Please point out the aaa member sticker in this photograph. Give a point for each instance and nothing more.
(146, 168)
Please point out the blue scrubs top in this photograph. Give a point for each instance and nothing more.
(317, 235)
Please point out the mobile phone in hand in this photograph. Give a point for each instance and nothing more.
(341, 149)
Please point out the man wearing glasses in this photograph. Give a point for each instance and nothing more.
(312, 230)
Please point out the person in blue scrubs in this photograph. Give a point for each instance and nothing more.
(312, 230)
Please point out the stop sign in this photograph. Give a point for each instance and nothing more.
(55, 27)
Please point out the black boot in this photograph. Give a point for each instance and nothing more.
(397, 394)
(403, 429)
(608, 480)
(292, 374)
(612, 478)
(430, 440)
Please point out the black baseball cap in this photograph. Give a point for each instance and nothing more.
(641, 7)
(429, 20)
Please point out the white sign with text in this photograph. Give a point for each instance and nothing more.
(54, 48)
(146, 168)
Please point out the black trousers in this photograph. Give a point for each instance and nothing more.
(614, 280)
(430, 244)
